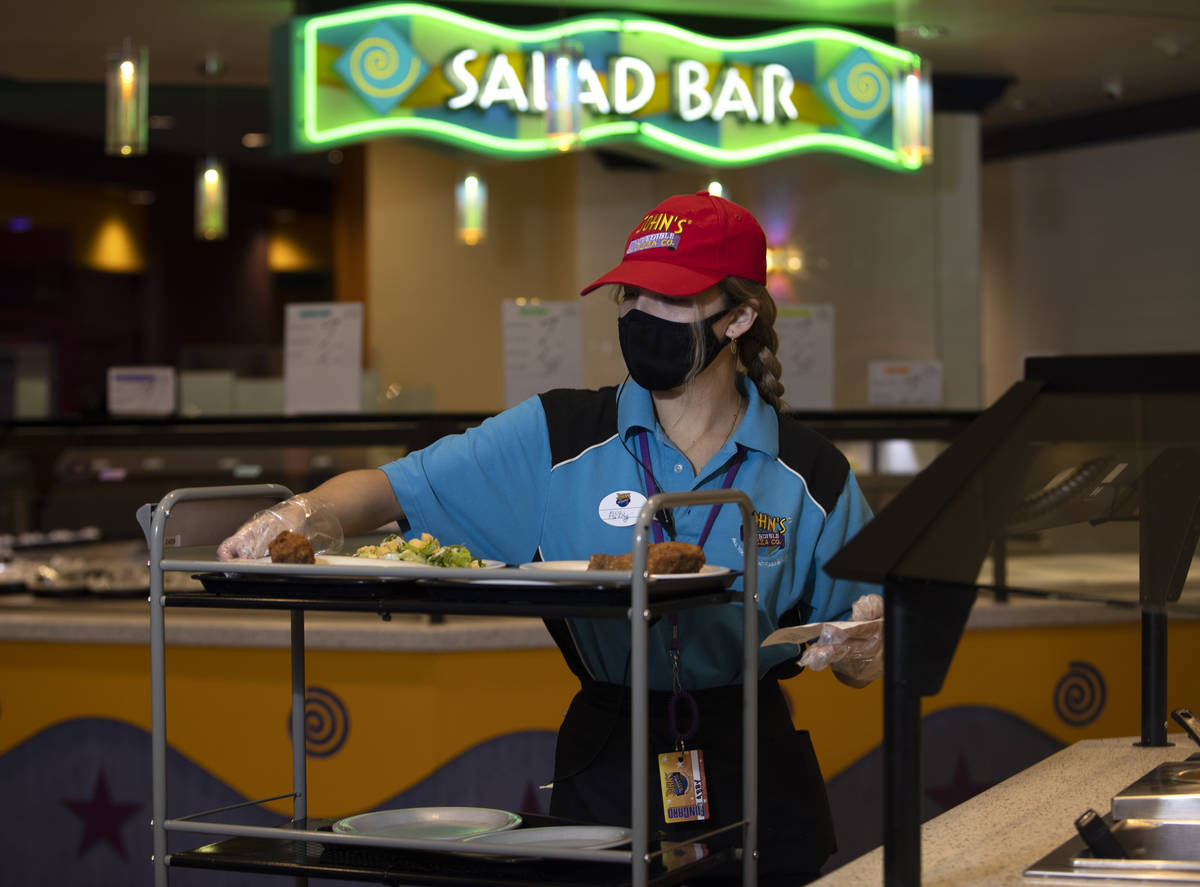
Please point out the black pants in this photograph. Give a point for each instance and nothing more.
(592, 767)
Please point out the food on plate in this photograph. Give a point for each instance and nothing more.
(423, 549)
(661, 557)
(291, 548)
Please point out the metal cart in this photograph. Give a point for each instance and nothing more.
(182, 530)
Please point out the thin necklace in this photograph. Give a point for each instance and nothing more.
(736, 416)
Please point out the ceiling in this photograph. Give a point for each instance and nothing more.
(1062, 59)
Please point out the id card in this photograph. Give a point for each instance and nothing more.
(684, 786)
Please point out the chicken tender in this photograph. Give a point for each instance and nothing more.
(610, 562)
(661, 557)
(675, 557)
(291, 548)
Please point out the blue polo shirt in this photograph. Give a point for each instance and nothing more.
(554, 478)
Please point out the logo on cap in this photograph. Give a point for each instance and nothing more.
(668, 239)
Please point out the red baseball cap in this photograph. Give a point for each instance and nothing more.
(689, 243)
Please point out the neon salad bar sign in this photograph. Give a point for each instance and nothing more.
(403, 69)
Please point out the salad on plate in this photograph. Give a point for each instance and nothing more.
(423, 549)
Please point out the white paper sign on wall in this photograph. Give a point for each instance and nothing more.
(141, 391)
(806, 353)
(322, 358)
(904, 383)
(542, 348)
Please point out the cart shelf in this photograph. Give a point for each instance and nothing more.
(193, 519)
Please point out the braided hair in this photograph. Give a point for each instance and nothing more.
(756, 347)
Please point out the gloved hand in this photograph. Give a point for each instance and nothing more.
(853, 651)
(306, 514)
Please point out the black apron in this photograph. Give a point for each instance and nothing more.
(592, 774)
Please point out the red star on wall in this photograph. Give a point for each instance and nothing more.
(102, 818)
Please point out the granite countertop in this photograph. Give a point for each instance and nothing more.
(990, 839)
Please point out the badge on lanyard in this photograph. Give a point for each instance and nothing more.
(681, 772)
(684, 786)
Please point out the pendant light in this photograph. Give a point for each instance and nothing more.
(914, 116)
(470, 209)
(126, 107)
(212, 189)
(562, 96)
(212, 206)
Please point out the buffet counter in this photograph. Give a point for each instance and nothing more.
(989, 840)
(26, 618)
(475, 701)
(93, 619)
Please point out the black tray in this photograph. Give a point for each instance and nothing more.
(426, 595)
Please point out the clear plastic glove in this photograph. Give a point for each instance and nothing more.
(306, 514)
(854, 651)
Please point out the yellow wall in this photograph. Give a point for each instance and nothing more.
(227, 708)
(434, 303)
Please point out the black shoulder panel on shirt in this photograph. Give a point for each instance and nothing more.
(578, 419)
(818, 461)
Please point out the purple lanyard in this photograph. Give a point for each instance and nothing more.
(652, 488)
(679, 694)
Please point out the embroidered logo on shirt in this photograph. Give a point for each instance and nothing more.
(621, 508)
(772, 531)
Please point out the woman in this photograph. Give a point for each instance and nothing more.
(563, 476)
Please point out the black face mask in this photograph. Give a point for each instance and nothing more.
(658, 352)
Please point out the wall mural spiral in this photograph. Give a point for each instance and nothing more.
(1080, 694)
(326, 723)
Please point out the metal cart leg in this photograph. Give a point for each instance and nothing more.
(749, 699)
(639, 617)
(639, 689)
(158, 720)
(153, 521)
(299, 774)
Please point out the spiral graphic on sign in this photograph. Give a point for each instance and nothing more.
(375, 68)
(861, 91)
(326, 724)
(1080, 694)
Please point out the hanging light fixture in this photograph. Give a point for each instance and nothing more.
(562, 96)
(212, 205)
(914, 116)
(212, 189)
(470, 206)
(126, 107)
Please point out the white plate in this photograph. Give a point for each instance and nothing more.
(429, 823)
(564, 837)
(706, 570)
